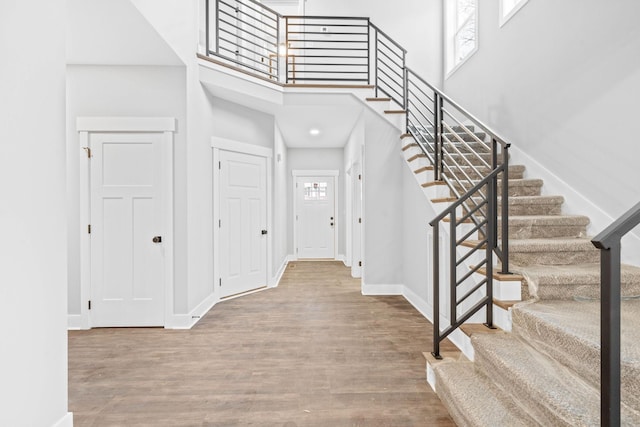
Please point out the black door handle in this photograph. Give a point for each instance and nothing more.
(264, 231)
(157, 239)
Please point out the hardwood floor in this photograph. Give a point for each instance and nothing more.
(312, 352)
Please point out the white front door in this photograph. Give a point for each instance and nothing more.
(127, 280)
(243, 223)
(315, 216)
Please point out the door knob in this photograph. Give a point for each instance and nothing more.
(157, 239)
(264, 231)
(331, 218)
(332, 224)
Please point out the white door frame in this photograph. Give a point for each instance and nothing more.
(85, 127)
(327, 172)
(218, 144)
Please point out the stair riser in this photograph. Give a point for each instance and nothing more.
(540, 209)
(580, 291)
(581, 357)
(514, 191)
(464, 136)
(553, 258)
(513, 173)
(543, 231)
(525, 395)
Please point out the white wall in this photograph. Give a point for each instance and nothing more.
(417, 252)
(239, 123)
(323, 159)
(139, 91)
(559, 81)
(33, 246)
(382, 181)
(415, 24)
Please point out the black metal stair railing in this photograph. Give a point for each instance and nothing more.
(609, 243)
(465, 154)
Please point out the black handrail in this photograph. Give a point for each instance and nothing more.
(608, 241)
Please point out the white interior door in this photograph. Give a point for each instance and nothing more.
(127, 280)
(315, 216)
(243, 222)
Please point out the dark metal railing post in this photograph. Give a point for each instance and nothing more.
(453, 276)
(286, 44)
(492, 224)
(436, 137)
(217, 28)
(207, 24)
(404, 80)
(369, 52)
(436, 291)
(405, 84)
(505, 210)
(278, 50)
(610, 335)
(377, 59)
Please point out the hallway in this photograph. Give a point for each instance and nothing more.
(312, 352)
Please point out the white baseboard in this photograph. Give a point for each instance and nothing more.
(576, 203)
(66, 421)
(187, 321)
(418, 303)
(342, 258)
(77, 322)
(382, 289)
(291, 257)
(275, 281)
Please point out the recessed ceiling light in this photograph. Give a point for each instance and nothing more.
(314, 132)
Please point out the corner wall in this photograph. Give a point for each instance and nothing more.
(33, 246)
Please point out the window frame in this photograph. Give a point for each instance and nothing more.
(504, 18)
(452, 29)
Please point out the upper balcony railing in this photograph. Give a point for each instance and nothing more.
(464, 153)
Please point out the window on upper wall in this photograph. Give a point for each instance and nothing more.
(508, 8)
(462, 32)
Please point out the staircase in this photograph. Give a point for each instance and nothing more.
(546, 370)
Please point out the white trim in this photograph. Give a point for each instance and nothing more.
(77, 322)
(241, 147)
(505, 18)
(336, 205)
(341, 257)
(275, 281)
(166, 126)
(291, 258)
(451, 66)
(126, 124)
(418, 303)
(230, 145)
(312, 172)
(188, 321)
(242, 294)
(382, 289)
(65, 421)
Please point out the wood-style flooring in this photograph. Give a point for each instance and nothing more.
(311, 352)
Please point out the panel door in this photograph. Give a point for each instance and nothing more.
(243, 223)
(127, 283)
(315, 217)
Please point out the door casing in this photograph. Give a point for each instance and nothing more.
(313, 173)
(163, 125)
(218, 144)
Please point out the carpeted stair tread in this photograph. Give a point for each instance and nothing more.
(552, 251)
(569, 332)
(515, 171)
(473, 401)
(550, 393)
(567, 282)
